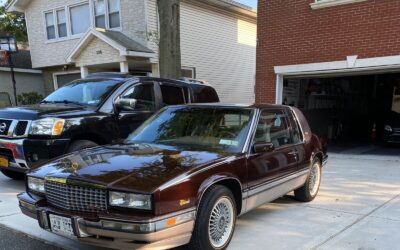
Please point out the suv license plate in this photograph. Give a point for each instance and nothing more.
(61, 225)
(3, 161)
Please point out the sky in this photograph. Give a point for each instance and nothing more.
(252, 3)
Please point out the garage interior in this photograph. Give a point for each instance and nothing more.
(344, 109)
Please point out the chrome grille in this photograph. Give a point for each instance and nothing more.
(5, 126)
(75, 198)
(14, 128)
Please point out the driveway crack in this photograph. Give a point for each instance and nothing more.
(355, 222)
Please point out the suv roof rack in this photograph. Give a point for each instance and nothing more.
(108, 75)
(193, 81)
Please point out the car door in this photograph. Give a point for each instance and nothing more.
(263, 168)
(173, 94)
(146, 106)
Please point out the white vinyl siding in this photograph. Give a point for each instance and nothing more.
(220, 45)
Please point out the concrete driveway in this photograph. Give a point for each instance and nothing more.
(358, 207)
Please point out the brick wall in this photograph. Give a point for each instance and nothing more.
(290, 32)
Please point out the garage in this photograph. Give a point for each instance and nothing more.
(346, 108)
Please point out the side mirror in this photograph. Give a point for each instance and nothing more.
(126, 103)
(263, 147)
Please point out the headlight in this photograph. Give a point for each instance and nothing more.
(388, 128)
(129, 200)
(36, 184)
(47, 126)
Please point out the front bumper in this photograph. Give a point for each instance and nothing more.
(24, 154)
(392, 137)
(158, 233)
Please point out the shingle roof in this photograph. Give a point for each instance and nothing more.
(125, 41)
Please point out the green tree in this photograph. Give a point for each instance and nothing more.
(13, 23)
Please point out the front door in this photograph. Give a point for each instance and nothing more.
(129, 120)
(264, 168)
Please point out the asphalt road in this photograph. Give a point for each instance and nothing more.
(358, 207)
(13, 240)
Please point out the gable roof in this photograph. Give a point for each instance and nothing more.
(123, 44)
(20, 5)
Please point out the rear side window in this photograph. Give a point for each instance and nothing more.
(273, 128)
(172, 95)
(296, 132)
(204, 94)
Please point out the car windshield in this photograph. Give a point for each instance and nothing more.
(215, 128)
(83, 92)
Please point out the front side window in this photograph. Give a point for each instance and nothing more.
(208, 128)
(87, 92)
(144, 95)
(107, 14)
(50, 26)
(80, 18)
(273, 128)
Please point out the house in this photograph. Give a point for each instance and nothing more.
(27, 79)
(337, 60)
(69, 39)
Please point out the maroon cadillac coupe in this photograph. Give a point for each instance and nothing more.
(181, 178)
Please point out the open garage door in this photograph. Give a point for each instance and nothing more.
(346, 108)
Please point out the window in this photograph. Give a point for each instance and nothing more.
(273, 128)
(100, 13)
(80, 19)
(172, 95)
(50, 26)
(188, 72)
(107, 14)
(61, 23)
(144, 94)
(296, 132)
(113, 9)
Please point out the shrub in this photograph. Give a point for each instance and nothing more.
(29, 98)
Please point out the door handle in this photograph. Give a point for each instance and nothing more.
(294, 153)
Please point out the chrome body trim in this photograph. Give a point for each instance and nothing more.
(273, 190)
(252, 130)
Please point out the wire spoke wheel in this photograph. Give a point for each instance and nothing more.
(314, 179)
(221, 221)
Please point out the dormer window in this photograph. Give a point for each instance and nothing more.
(107, 14)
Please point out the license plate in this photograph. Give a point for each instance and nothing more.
(3, 162)
(61, 225)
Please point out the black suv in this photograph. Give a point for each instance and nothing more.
(100, 109)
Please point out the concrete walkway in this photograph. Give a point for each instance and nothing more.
(358, 207)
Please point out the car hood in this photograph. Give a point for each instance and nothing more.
(34, 112)
(135, 168)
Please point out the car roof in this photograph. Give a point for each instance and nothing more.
(125, 77)
(236, 105)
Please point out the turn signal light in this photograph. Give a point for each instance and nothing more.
(58, 127)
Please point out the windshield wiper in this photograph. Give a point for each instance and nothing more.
(67, 102)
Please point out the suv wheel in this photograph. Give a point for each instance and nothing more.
(81, 144)
(216, 220)
(310, 189)
(13, 175)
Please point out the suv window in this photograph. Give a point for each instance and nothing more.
(273, 127)
(144, 94)
(172, 95)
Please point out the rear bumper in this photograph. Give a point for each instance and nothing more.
(24, 154)
(118, 234)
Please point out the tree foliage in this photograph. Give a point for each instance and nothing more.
(13, 23)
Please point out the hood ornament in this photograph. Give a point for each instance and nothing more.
(75, 166)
